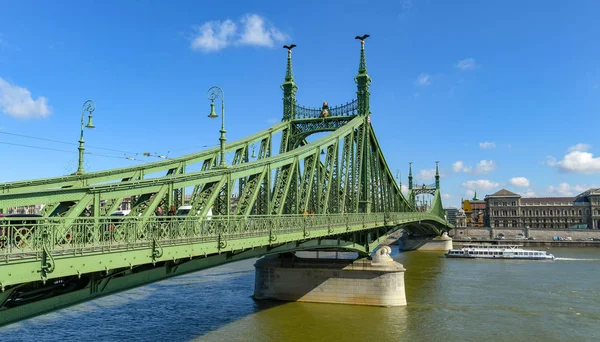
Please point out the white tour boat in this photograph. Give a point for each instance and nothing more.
(497, 252)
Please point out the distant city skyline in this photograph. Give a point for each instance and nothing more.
(503, 94)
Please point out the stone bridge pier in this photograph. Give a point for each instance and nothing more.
(378, 281)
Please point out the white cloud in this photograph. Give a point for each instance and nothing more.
(404, 189)
(564, 189)
(467, 64)
(426, 174)
(459, 166)
(469, 193)
(482, 184)
(424, 79)
(528, 193)
(215, 35)
(579, 147)
(17, 102)
(520, 182)
(446, 196)
(577, 162)
(257, 32)
(485, 166)
(487, 144)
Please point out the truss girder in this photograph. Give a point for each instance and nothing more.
(333, 174)
(138, 171)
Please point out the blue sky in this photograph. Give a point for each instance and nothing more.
(505, 94)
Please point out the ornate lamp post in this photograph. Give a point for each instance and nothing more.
(89, 106)
(213, 93)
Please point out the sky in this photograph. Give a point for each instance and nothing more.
(504, 94)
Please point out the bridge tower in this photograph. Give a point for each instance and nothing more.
(431, 205)
(363, 81)
(411, 195)
(289, 88)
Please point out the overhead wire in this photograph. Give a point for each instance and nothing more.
(146, 154)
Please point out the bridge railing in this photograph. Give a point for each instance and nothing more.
(347, 109)
(32, 237)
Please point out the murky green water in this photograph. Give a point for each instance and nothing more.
(449, 300)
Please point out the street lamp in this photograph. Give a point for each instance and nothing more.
(213, 93)
(89, 106)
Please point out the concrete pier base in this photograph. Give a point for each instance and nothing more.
(378, 282)
(440, 243)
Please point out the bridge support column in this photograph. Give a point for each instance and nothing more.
(377, 282)
(439, 243)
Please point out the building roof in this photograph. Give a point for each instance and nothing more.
(546, 200)
(594, 191)
(503, 193)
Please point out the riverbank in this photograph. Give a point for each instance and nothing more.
(539, 234)
(531, 243)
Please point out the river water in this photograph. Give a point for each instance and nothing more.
(449, 300)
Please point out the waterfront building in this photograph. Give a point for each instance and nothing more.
(451, 214)
(505, 209)
(461, 218)
(474, 210)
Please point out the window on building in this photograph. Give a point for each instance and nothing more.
(537, 213)
(504, 204)
(495, 203)
(550, 213)
(496, 223)
(514, 203)
(580, 212)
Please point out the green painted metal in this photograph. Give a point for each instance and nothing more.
(44, 261)
(94, 285)
(336, 188)
(88, 106)
(213, 93)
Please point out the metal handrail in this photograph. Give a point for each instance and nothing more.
(26, 238)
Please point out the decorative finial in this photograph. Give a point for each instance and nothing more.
(410, 176)
(437, 175)
(362, 67)
(289, 47)
(289, 75)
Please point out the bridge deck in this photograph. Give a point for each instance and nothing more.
(48, 250)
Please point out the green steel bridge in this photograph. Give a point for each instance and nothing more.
(335, 193)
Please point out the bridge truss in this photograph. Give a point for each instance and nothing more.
(336, 192)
